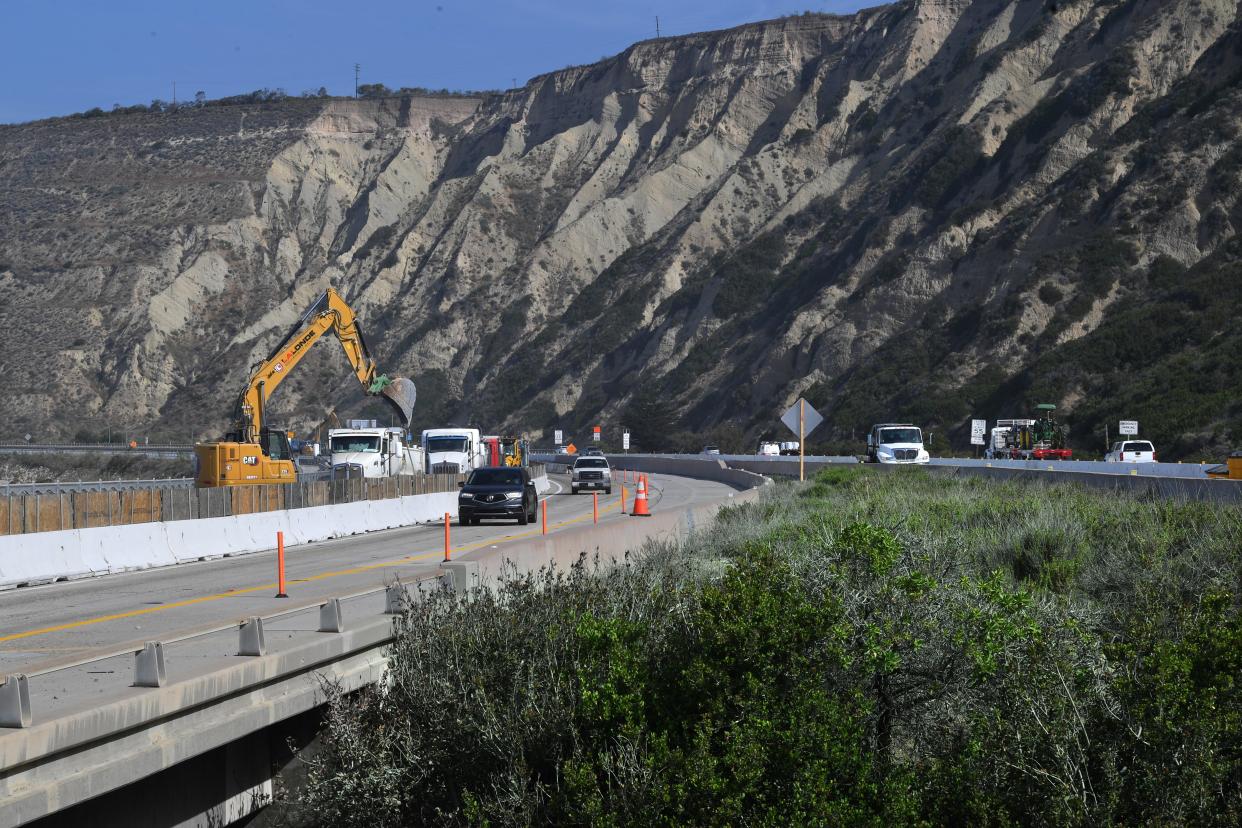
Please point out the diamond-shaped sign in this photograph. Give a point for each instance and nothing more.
(810, 418)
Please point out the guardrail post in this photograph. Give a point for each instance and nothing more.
(330, 616)
(252, 642)
(149, 666)
(15, 701)
(395, 599)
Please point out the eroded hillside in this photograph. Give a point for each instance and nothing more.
(930, 210)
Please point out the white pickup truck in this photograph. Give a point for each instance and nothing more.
(1131, 451)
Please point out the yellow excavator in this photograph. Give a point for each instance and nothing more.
(254, 453)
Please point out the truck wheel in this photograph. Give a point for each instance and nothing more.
(608, 490)
(574, 490)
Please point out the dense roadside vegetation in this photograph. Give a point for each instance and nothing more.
(870, 648)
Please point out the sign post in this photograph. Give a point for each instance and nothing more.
(977, 430)
(596, 433)
(625, 441)
(802, 419)
(557, 436)
(1128, 428)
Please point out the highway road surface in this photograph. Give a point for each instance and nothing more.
(69, 619)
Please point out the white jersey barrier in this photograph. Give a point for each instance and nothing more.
(43, 557)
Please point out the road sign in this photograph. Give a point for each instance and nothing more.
(802, 419)
(1129, 427)
(571, 449)
(595, 435)
(809, 416)
(977, 428)
(557, 436)
(625, 441)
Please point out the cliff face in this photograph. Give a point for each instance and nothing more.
(933, 210)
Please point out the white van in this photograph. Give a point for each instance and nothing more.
(1131, 451)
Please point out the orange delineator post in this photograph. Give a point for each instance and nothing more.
(447, 520)
(545, 517)
(623, 498)
(595, 505)
(280, 565)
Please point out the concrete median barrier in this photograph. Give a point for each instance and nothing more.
(43, 557)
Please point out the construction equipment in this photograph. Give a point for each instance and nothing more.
(1039, 439)
(1231, 469)
(252, 452)
(506, 451)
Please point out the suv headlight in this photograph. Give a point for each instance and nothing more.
(513, 495)
(923, 455)
(466, 496)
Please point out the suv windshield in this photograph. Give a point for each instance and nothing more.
(591, 463)
(900, 435)
(495, 477)
(356, 443)
(447, 443)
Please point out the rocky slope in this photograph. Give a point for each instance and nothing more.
(927, 210)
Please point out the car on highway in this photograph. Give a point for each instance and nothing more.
(505, 492)
(590, 473)
(594, 452)
(1131, 451)
(769, 449)
(711, 449)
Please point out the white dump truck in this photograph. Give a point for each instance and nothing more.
(453, 450)
(373, 452)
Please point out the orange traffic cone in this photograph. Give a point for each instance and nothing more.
(640, 499)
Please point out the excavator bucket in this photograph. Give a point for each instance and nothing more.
(401, 393)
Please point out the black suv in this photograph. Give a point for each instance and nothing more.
(497, 492)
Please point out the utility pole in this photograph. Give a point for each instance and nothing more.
(174, 93)
(357, 69)
(657, 27)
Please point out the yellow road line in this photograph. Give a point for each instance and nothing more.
(320, 577)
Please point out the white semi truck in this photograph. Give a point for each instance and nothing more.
(373, 452)
(453, 450)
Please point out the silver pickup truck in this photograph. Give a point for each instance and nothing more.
(591, 473)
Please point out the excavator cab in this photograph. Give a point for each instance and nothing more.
(275, 444)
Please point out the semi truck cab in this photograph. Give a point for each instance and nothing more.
(896, 443)
(453, 450)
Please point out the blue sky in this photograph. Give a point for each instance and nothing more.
(61, 57)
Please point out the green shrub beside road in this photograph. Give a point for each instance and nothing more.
(869, 648)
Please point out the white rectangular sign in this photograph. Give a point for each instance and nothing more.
(625, 441)
(1128, 427)
(558, 437)
(977, 429)
(809, 416)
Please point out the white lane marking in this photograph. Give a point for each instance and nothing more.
(559, 489)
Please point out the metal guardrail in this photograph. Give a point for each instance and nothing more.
(18, 489)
